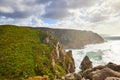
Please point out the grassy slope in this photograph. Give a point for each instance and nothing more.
(23, 53)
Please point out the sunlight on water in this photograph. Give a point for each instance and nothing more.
(99, 54)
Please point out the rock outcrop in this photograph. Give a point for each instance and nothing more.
(71, 63)
(74, 38)
(103, 74)
(108, 72)
(62, 59)
(113, 66)
(112, 78)
(86, 63)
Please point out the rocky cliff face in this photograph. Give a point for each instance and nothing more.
(62, 61)
(74, 38)
(25, 52)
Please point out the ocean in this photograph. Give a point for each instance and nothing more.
(99, 54)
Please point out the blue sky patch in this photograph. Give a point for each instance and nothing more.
(49, 21)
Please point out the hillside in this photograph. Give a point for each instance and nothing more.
(74, 38)
(25, 52)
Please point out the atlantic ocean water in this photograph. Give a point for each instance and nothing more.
(99, 54)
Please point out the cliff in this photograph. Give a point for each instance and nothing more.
(74, 38)
(26, 52)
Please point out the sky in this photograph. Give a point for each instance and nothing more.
(101, 16)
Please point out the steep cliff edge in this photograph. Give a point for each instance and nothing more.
(74, 38)
(26, 52)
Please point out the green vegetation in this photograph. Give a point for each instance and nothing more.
(24, 53)
(59, 69)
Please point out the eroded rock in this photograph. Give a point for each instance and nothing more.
(113, 66)
(112, 78)
(86, 63)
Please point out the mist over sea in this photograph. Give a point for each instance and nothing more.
(99, 54)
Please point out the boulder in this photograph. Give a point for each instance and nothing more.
(70, 76)
(110, 71)
(112, 78)
(86, 63)
(86, 74)
(113, 66)
(77, 76)
(103, 74)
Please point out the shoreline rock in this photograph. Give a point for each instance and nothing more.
(110, 71)
(86, 63)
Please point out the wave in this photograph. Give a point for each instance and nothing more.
(99, 54)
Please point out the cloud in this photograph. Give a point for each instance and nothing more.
(104, 10)
(57, 10)
(61, 9)
(20, 8)
(31, 21)
(113, 5)
(17, 14)
(72, 14)
(6, 10)
(53, 9)
(96, 17)
(80, 3)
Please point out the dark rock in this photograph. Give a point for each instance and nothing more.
(86, 63)
(77, 76)
(112, 78)
(110, 71)
(113, 66)
(96, 70)
(86, 73)
(103, 74)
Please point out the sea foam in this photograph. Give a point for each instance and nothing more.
(99, 54)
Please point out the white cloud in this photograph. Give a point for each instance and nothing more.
(6, 9)
(101, 16)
